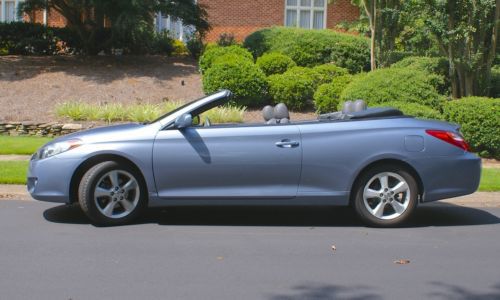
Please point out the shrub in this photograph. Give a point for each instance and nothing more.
(242, 77)
(437, 67)
(195, 46)
(294, 88)
(495, 82)
(312, 47)
(274, 63)
(327, 72)
(213, 52)
(22, 38)
(327, 96)
(480, 122)
(226, 39)
(394, 84)
(179, 48)
(413, 109)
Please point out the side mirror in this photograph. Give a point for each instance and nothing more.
(183, 121)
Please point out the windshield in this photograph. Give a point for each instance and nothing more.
(174, 111)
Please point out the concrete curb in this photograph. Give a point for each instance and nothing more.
(478, 199)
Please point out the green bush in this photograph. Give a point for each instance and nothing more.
(437, 67)
(21, 38)
(480, 122)
(242, 77)
(274, 63)
(195, 46)
(413, 109)
(226, 39)
(394, 84)
(327, 96)
(312, 47)
(327, 72)
(212, 52)
(295, 88)
(495, 82)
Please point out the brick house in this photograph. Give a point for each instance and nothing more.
(238, 17)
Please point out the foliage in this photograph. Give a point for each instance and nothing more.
(274, 63)
(213, 52)
(13, 172)
(393, 84)
(195, 46)
(480, 122)
(413, 109)
(495, 82)
(433, 65)
(327, 96)
(179, 48)
(226, 39)
(81, 111)
(23, 38)
(127, 20)
(327, 72)
(312, 47)
(295, 88)
(21, 144)
(241, 76)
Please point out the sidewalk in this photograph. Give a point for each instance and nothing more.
(478, 199)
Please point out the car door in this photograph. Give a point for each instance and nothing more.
(228, 161)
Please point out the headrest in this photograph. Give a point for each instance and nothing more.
(350, 106)
(268, 112)
(281, 111)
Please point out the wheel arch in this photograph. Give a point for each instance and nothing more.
(403, 164)
(92, 161)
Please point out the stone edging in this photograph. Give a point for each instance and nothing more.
(50, 129)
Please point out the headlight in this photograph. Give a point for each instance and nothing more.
(56, 148)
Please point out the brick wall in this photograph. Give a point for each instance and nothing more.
(54, 19)
(242, 17)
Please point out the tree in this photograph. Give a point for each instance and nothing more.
(467, 33)
(370, 9)
(88, 18)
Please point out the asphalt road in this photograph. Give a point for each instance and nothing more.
(49, 251)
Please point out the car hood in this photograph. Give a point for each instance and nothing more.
(105, 134)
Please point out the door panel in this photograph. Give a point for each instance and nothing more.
(221, 161)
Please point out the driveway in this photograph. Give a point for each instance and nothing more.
(49, 251)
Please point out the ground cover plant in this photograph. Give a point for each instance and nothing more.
(21, 145)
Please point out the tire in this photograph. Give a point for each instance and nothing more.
(385, 196)
(112, 194)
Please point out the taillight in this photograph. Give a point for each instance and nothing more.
(450, 137)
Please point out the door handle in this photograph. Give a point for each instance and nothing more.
(286, 143)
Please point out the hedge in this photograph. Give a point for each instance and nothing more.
(436, 66)
(212, 52)
(495, 82)
(413, 109)
(394, 84)
(327, 96)
(295, 88)
(327, 72)
(479, 118)
(312, 47)
(242, 77)
(275, 63)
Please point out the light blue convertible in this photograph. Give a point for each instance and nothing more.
(377, 160)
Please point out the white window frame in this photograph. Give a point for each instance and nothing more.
(311, 8)
(3, 7)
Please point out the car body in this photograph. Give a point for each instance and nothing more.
(314, 162)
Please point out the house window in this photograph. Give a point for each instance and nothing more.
(8, 10)
(310, 14)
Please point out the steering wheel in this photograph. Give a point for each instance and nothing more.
(207, 122)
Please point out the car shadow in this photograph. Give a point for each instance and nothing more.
(441, 214)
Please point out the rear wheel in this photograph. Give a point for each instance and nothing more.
(111, 193)
(385, 196)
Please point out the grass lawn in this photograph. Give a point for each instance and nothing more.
(14, 172)
(21, 144)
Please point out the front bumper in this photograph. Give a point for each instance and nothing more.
(49, 179)
(448, 176)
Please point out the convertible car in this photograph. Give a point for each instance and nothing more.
(377, 160)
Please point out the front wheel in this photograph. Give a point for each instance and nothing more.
(111, 193)
(385, 196)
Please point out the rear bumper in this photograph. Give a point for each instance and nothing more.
(448, 176)
(49, 179)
